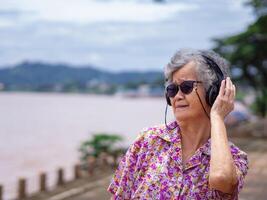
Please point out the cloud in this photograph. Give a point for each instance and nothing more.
(4, 23)
(86, 11)
(94, 57)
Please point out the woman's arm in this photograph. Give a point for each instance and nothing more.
(223, 175)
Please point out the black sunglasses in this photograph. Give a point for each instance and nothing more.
(186, 87)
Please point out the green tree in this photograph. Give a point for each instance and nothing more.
(247, 53)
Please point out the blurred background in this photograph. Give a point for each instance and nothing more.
(79, 79)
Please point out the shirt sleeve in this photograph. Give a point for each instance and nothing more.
(241, 164)
(123, 180)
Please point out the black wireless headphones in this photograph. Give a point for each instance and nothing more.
(214, 89)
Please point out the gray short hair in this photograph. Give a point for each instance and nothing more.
(204, 72)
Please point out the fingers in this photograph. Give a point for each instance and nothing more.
(222, 88)
(225, 101)
(232, 95)
(228, 88)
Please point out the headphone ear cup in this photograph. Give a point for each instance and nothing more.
(211, 94)
(168, 100)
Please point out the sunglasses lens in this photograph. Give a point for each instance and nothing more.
(172, 90)
(187, 87)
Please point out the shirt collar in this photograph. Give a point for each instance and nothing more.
(169, 133)
(205, 149)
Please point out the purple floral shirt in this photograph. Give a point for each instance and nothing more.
(152, 169)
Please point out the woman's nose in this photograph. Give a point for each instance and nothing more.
(179, 95)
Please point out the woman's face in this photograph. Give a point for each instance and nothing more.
(187, 106)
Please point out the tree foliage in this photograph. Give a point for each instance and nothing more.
(247, 53)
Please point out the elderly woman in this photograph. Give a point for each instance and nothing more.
(191, 157)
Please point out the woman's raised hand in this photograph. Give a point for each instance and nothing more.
(224, 102)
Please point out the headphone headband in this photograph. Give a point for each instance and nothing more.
(212, 64)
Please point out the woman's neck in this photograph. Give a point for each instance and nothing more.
(194, 134)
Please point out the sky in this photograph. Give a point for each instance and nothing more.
(115, 35)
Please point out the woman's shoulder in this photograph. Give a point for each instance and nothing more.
(148, 137)
(159, 131)
(151, 131)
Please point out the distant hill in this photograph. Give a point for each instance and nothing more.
(43, 76)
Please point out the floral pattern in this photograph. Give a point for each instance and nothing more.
(152, 169)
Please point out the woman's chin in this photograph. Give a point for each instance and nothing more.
(182, 112)
(182, 117)
(188, 116)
